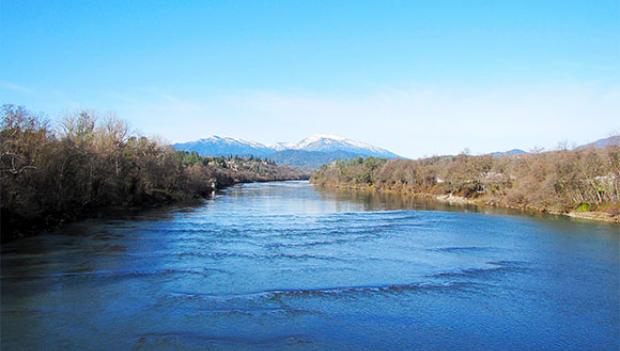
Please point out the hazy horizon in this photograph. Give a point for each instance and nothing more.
(416, 78)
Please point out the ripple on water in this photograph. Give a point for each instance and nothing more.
(269, 266)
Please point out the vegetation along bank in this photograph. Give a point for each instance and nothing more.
(51, 175)
(580, 183)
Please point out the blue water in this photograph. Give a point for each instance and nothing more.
(280, 266)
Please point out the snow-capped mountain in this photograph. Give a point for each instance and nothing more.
(328, 143)
(309, 151)
(225, 146)
(283, 146)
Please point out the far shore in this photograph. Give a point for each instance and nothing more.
(456, 200)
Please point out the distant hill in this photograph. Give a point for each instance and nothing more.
(513, 152)
(600, 143)
(311, 152)
(612, 140)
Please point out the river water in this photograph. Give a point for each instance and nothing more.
(282, 265)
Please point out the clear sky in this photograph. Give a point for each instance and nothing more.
(416, 77)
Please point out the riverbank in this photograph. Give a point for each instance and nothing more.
(577, 183)
(456, 200)
(14, 227)
(52, 176)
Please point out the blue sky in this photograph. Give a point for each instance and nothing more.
(417, 77)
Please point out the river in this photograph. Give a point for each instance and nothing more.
(277, 266)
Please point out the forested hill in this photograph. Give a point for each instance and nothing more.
(584, 182)
(49, 176)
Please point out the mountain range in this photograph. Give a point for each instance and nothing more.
(315, 151)
(311, 152)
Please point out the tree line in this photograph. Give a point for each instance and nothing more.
(49, 175)
(557, 181)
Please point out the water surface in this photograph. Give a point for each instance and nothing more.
(284, 266)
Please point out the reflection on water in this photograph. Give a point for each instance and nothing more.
(286, 266)
(378, 201)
